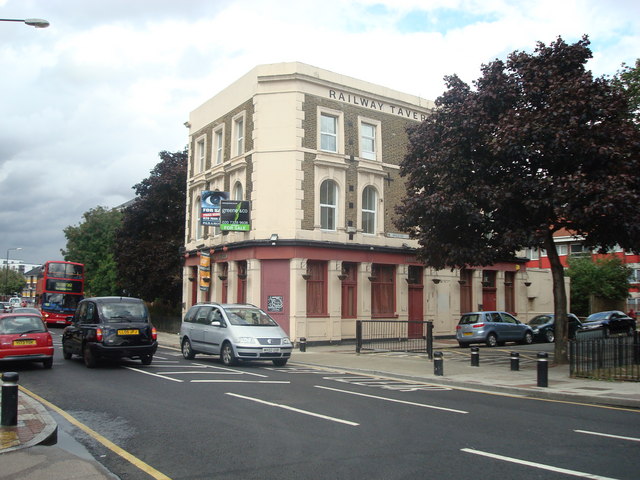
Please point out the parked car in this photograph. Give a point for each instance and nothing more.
(492, 328)
(234, 332)
(6, 307)
(15, 302)
(24, 336)
(111, 328)
(543, 326)
(613, 321)
(33, 310)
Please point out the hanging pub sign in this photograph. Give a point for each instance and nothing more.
(235, 215)
(205, 270)
(210, 207)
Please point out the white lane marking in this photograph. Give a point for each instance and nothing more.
(297, 410)
(153, 374)
(239, 381)
(415, 404)
(231, 370)
(536, 465)
(199, 372)
(632, 439)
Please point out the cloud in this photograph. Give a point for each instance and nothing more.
(89, 102)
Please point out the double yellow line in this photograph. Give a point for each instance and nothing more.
(148, 469)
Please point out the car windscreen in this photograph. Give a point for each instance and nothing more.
(18, 324)
(469, 319)
(249, 316)
(594, 317)
(124, 312)
(540, 320)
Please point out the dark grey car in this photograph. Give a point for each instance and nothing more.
(493, 328)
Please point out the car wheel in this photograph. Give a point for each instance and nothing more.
(280, 362)
(227, 356)
(528, 338)
(187, 350)
(66, 354)
(88, 357)
(48, 363)
(146, 359)
(549, 336)
(492, 340)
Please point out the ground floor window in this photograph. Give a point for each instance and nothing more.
(383, 290)
(317, 288)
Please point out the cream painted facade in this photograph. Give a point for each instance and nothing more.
(317, 154)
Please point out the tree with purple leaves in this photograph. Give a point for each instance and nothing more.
(537, 146)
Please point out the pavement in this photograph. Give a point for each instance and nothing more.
(28, 451)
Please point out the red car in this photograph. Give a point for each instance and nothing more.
(24, 336)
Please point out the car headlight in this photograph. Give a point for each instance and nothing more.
(286, 341)
(247, 340)
(536, 330)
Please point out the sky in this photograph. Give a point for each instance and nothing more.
(87, 104)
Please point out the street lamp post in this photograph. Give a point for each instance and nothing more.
(33, 22)
(6, 272)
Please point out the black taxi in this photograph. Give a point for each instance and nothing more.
(110, 328)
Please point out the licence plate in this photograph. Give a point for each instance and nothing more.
(128, 332)
(467, 334)
(271, 350)
(24, 342)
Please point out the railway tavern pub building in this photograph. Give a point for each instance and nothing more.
(292, 187)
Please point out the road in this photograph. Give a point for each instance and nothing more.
(199, 420)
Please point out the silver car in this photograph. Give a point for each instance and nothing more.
(492, 328)
(234, 332)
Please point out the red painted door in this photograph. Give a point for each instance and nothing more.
(274, 284)
(416, 311)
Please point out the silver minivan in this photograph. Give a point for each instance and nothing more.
(234, 332)
(492, 328)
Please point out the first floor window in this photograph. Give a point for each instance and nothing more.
(328, 205)
(237, 191)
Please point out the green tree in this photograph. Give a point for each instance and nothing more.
(12, 282)
(152, 233)
(539, 145)
(607, 278)
(92, 243)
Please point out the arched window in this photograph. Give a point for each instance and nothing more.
(238, 192)
(369, 210)
(328, 205)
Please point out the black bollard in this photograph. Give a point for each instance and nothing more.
(303, 344)
(475, 357)
(9, 399)
(438, 364)
(543, 369)
(515, 361)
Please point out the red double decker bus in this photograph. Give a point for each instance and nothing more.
(59, 288)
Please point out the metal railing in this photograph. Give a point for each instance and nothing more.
(616, 358)
(394, 336)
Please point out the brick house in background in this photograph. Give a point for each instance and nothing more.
(316, 154)
(569, 244)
